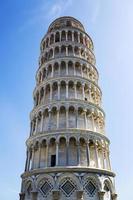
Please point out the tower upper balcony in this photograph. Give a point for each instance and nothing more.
(64, 22)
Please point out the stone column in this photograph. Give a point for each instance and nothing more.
(78, 153)
(57, 118)
(72, 36)
(57, 153)
(33, 153)
(47, 153)
(22, 196)
(50, 92)
(85, 119)
(66, 90)
(44, 94)
(67, 124)
(58, 91)
(34, 195)
(42, 119)
(83, 91)
(39, 149)
(52, 74)
(101, 195)
(49, 121)
(67, 146)
(67, 68)
(80, 195)
(75, 90)
(88, 153)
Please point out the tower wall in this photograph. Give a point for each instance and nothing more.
(67, 150)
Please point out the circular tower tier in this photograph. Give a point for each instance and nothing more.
(67, 151)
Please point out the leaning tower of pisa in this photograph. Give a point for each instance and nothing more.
(67, 150)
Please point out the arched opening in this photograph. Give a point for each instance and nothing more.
(100, 156)
(107, 195)
(63, 36)
(62, 118)
(75, 37)
(36, 156)
(70, 50)
(69, 36)
(63, 68)
(44, 73)
(70, 68)
(52, 153)
(92, 154)
(86, 91)
(53, 121)
(49, 71)
(83, 152)
(46, 120)
(84, 70)
(78, 69)
(56, 69)
(57, 37)
(63, 90)
(63, 51)
(72, 118)
(79, 91)
(56, 52)
(81, 118)
(52, 39)
(47, 42)
(81, 38)
(43, 154)
(89, 120)
(62, 152)
(55, 91)
(72, 152)
(71, 90)
(50, 53)
(47, 93)
(76, 51)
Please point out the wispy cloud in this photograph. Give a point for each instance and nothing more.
(45, 11)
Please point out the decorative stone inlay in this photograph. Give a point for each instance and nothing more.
(68, 187)
(46, 188)
(90, 188)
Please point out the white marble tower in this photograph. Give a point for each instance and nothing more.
(67, 150)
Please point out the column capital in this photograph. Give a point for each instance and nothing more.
(101, 195)
(114, 196)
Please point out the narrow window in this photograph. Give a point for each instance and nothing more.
(53, 160)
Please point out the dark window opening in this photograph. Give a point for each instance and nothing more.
(53, 160)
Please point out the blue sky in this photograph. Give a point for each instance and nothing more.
(23, 24)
